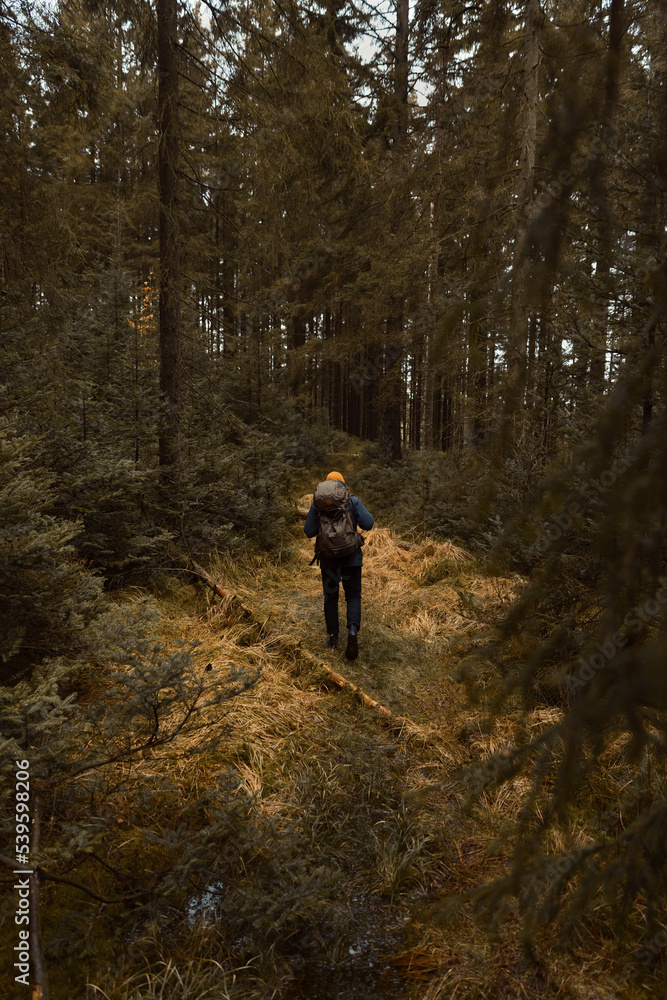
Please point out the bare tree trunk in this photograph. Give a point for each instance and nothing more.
(401, 69)
(598, 180)
(392, 392)
(427, 366)
(296, 368)
(529, 104)
(170, 263)
(427, 393)
(391, 408)
(39, 984)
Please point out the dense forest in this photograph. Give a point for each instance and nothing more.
(244, 244)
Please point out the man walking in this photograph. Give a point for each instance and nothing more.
(333, 517)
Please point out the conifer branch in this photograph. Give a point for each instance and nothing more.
(47, 876)
(152, 742)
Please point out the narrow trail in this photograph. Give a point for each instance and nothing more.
(368, 821)
(314, 752)
(410, 615)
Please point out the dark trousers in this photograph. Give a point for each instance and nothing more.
(351, 578)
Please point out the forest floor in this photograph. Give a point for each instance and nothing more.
(371, 824)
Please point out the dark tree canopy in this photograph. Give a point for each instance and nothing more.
(232, 234)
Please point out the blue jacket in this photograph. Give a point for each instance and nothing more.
(361, 518)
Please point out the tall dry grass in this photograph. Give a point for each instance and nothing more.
(358, 831)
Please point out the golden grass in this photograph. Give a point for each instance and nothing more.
(200, 980)
(385, 803)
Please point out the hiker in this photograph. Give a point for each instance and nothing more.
(337, 532)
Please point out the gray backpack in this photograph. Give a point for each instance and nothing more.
(337, 535)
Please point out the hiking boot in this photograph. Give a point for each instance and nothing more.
(352, 650)
(332, 640)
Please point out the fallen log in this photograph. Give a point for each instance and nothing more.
(342, 683)
(228, 596)
(345, 685)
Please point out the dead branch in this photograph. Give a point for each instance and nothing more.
(230, 598)
(50, 877)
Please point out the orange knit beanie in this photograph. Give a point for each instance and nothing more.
(335, 475)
